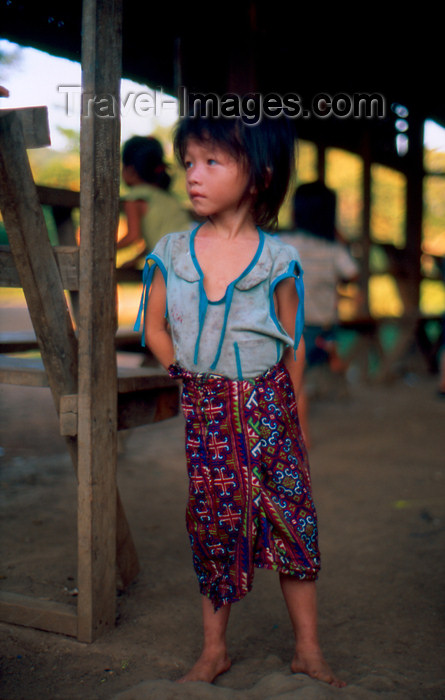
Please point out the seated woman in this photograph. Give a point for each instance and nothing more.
(150, 208)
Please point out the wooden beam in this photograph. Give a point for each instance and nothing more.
(133, 379)
(45, 615)
(66, 258)
(58, 197)
(130, 380)
(366, 223)
(35, 127)
(22, 372)
(18, 341)
(321, 162)
(414, 210)
(97, 417)
(127, 341)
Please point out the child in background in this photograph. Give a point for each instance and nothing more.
(326, 262)
(225, 315)
(150, 208)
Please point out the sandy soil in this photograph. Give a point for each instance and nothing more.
(378, 467)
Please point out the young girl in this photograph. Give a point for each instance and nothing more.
(150, 208)
(225, 315)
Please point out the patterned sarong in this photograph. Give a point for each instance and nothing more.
(250, 501)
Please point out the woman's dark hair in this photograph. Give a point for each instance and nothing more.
(315, 209)
(266, 148)
(146, 155)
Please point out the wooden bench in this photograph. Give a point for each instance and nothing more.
(145, 394)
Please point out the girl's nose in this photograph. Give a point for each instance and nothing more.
(193, 174)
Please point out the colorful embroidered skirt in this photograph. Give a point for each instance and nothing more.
(250, 501)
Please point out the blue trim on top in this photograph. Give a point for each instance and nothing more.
(294, 270)
(147, 279)
(228, 296)
(238, 361)
(245, 272)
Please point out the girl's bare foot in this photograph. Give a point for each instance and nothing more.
(207, 668)
(314, 665)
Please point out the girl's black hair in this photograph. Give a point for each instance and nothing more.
(146, 155)
(314, 207)
(266, 148)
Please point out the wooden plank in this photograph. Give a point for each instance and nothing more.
(22, 371)
(22, 341)
(67, 261)
(130, 380)
(134, 379)
(40, 614)
(35, 126)
(18, 341)
(97, 422)
(58, 197)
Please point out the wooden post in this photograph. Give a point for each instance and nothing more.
(366, 222)
(414, 210)
(99, 211)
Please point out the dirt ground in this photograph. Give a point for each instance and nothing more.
(378, 469)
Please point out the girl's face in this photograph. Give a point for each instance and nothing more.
(216, 182)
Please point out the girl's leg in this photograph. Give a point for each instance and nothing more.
(301, 601)
(214, 659)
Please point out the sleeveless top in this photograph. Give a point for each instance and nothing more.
(239, 336)
(164, 214)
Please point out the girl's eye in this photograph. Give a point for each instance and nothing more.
(211, 161)
(188, 164)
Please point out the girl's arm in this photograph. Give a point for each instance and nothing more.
(286, 303)
(157, 336)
